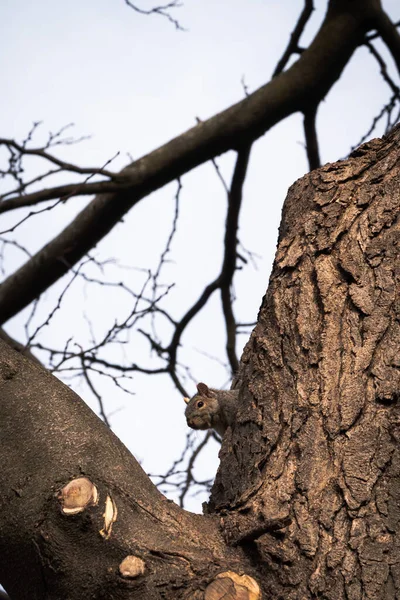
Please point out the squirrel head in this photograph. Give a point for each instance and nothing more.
(202, 408)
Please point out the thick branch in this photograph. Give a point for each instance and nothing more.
(308, 80)
(55, 553)
(390, 36)
(18, 346)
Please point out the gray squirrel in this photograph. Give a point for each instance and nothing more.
(211, 408)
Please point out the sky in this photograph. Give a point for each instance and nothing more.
(131, 83)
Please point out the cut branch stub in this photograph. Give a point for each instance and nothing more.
(231, 586)
(110, 516)
(77, 495)
(132, 566)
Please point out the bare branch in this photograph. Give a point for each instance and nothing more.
(73, 192)
(163, 257)
(310, 133)
(318, 68)
(61, 191)
(389, 34)
(96, 394)
(180, 476)
(189, 471)
(13, 244)
(32, 213)
(190, 314)
(88, 359)
(18, 197)
(65, 166)
(230, 253)
(293, 45)
(159, 10)
(374, 36)
(19, 151)
(388, 108)
(57, 307)
(383, 68)
(95, 360)
(223, 281)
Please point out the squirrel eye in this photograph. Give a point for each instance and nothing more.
(200, 404)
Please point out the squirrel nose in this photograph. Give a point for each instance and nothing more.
(191, 422)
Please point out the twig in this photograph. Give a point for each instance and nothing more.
(293, 45)
(159, 10)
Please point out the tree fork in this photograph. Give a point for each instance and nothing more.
(78, 515)
(305, 502)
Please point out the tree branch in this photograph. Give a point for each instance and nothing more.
(310, 133)
(293, 45)
(308, 80)
(65, 442)
(230, 253)
(53, 159)
(61, 191)
(18, 346)
(159, 10)
(383, 67)
(389, 34)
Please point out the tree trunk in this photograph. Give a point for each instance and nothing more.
(316, 436)
(306, 499)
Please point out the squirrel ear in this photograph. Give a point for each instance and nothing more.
(186, 400)
(203, 389)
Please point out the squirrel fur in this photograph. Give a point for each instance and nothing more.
(212, 409)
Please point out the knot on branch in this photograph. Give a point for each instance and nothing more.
(81, 493)
(77, 495)
(131, 567)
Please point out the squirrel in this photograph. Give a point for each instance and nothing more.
(211, 408)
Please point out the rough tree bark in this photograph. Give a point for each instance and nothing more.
(306, 499)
